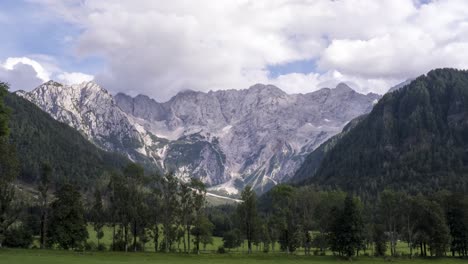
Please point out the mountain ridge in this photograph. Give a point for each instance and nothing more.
(227, 138)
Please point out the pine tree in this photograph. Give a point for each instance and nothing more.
(247, 212)
(67, 226)
(98, 216)
(43, 189)
(347, 231)
(4, 111)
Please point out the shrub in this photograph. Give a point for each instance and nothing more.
(89, 246)
(221, 250)
(18, 237)
(101, 247)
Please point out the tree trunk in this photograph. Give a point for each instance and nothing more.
(166, 241)
(44, 227)
(188, 238)
(134, 236)
(126, 237)
(113, 237)
(156, 238)
(185, 244)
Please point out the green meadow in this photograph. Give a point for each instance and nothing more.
(35, 256)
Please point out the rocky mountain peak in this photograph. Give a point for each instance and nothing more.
(343, 87)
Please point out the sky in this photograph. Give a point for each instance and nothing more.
(159, 48)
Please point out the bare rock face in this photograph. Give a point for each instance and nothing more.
(229, 138)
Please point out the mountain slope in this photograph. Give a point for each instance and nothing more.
(39, 138)
(415, 139)
(311, 164)
(231, 138)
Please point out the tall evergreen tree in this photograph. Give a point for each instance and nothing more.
(457, 216)
(168, 186)
(247, 212)
(43, 188)
(67, 225)
(186, 212)
(347, 231)
(4, 111)
(98, 216)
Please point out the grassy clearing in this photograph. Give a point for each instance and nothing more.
(59, 256)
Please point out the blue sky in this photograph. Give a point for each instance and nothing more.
(159, 49)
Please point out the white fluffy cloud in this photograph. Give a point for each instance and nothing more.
(40, 72)
(23, 73)
(159, 48)
(20, 76)
(74, 77)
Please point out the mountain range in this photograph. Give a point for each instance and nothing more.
(229, 139)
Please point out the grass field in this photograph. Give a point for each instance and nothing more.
(36, 256)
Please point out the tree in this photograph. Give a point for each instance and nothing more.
(67, 225)
(98, 216)
(112, 188)
(202, 232)
(134, 175)
(127, 203)
(380, 240)
(155, 209)
(347, 232)
(198, 197)
(232, 239)
(43, 188)
(431, 227)
(168, 186)
(390, 208)
(282, 197)
(457, 216)
(4, 111)
(247, 211)
(410, 215)
(186, 211)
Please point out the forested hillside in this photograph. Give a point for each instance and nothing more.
(415, 139)
(40, 139)
(314, 159)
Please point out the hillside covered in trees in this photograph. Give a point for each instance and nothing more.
(40, 139)
(415, 139)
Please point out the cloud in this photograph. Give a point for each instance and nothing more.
(23, 73)
(160, 48)
(74, 77)
(39, 71)
(303, 83)
(20, 76)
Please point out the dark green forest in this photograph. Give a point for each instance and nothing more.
(415, 140)
(40, 139)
